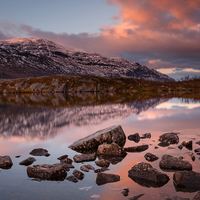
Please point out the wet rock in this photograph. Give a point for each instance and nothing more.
(125, 192)
(198, 142)
(27, 161)
(18, 156)
(72, 178)
(146, 175)
(84, 157)
(197, 150)
(197, 196)
(136, 197)
(156, 147)
(171, 162)
(150, 157)
(79, 175)
(187, 181)
(66, 165)
(87, 168)
(112, 134)
(110, 150)
(103, 169)
(164, 144)
(112, 159)
(188, 145)
(39, 152)
(5, 162)
(90, 167)
(62, 157)
(137, 148)
(102, 163)
(47, 172)
(103, 178)
(146, 135)
(180, 146)
(66, 161)
(134, 137)
(172, 138)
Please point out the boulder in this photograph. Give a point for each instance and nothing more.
(146, 175)
(47, 172)
(172, 138)
(174, 163)
(187, 181)
(150, 157)
(134, 137)
(78, 174)
(27, 161)
(112, 134)
(39, 152)
(137, 148)
(102, 163)
(5, 162)
(110, 150)
(103, 178)
(84, 157)
(72, 178)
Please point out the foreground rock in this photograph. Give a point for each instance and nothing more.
(172, 138)
(111, 150)
(39, 152)
(102, 163)
(103, 178)
(112, 134)
(150, 157)
(197, 196)
(47, 172)
(27, 161)
(84, 157)
(187, 181)
(145, 175)
(134, 137)
(5, 162)
(137, 148)
(171, 162)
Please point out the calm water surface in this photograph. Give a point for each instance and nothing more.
(25, 128)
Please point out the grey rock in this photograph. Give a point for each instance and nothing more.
(172, 138)
(102, 163)
(27, 161)
(47, 172)
(111, 134)
(72, 178)
(197, 196)
(5, 162)
(110, 150)
(78, 174)
(145, 175)
(135, 137)
(174, 163)
(103, 178)
(137, 148)
(150, 157)
(39, 152)
(84, 157)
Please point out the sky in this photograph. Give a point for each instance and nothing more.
(161, 34)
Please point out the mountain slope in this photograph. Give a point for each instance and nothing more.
(31, 57)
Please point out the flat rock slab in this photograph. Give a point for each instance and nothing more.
(47, 172)
(5, 162)
(172, 138)
(28, 161)
(187, 181)
(111, 150)
(103, 178)
(145, 175)
(84, 157)
(111, 134)
(39, 152)
(137, 148)
(171, 162)
(150, 157)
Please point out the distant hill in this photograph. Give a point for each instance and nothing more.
(32, 57)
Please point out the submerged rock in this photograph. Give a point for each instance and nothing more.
(134, 137)
(171, 162)
(72, 178)
(78, 174)
(102, 163)
(150, 157)
(172, 138)
(145, 175)
(103, 178)
(5, 162)
(187, 181)
(110, 150)
(125, 192)
(27, 161)
(137, 148)
(47, 172)
(39, 152)
(84, 157)
(164, 144)
(112, 134)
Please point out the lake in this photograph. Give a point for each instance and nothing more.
(24, 127)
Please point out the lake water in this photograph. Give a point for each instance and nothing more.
(23, 128)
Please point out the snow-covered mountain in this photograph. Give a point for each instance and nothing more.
(30, 57)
